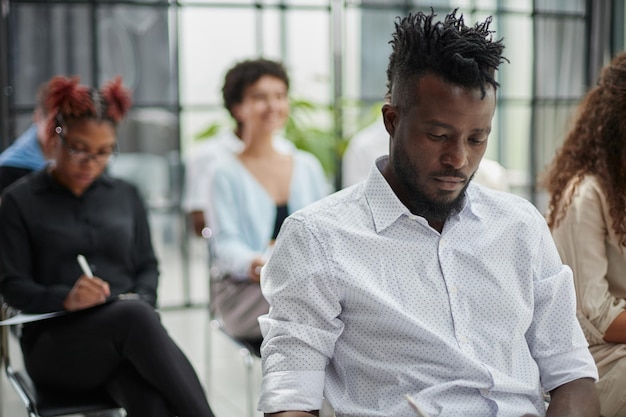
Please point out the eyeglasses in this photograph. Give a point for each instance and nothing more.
(81, 156)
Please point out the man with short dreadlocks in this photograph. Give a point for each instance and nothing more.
(418, 282)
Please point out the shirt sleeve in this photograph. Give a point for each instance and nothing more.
(17, 283)
(231, 251)
(555, 338)
(314, 180)
(303, 324)
(582, 238)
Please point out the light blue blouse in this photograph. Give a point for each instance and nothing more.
(243, 213)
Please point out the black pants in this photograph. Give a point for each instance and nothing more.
(123, 347)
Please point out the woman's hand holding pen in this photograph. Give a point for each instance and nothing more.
(86, 292)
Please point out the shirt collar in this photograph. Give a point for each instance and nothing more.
(43, 180)
(387, 208)
(472, 201)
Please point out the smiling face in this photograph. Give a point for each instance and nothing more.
(436, 144)
(264, 107)
(81, 152)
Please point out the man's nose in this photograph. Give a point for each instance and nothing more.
(455, 154)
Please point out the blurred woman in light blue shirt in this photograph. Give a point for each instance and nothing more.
(253, 191)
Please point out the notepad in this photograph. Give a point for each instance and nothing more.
(28, 318)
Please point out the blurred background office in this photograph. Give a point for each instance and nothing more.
(173, 54)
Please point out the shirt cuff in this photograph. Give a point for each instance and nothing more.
(292, 391)
(566, 368)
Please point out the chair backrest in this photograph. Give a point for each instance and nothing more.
(38, 402)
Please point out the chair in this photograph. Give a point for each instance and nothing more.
(246, 351)
(39, 402)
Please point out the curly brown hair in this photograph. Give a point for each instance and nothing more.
(594, 146)
(246, 73)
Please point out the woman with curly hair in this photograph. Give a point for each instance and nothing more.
(111, 337)
(252, 190)
(587, 215)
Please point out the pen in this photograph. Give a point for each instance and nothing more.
(84, 265)
(415, 407)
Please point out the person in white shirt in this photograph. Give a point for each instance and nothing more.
(373, 141)
(418, 281)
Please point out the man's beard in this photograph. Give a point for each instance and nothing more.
(419, 202)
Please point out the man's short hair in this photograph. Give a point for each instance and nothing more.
(467, 56)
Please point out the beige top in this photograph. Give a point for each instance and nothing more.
(587, 243)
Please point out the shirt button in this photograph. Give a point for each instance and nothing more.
(463, 339)
(454, 289)
(484, 392)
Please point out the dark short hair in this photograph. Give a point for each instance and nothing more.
(246, 73)
(467, 56)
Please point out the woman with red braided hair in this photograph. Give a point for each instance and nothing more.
(113, 339)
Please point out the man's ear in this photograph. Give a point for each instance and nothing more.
(390, 115)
